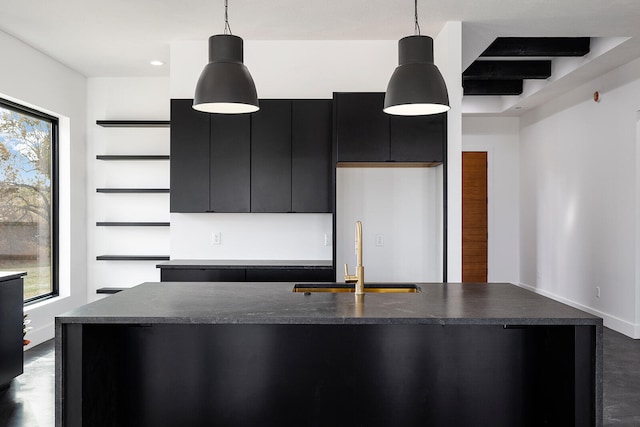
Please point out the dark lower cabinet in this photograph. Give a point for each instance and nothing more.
(11, 324)
(202, 275)
(240, 274)
(290, 275)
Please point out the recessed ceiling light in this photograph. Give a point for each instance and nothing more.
(156, 63)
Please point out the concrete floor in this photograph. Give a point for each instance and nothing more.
(29, 401)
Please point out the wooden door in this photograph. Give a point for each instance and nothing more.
(474, 217)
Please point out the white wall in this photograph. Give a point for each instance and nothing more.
(499, 137)
(126, 99)
(448, 58)
(34, 79)
(287, 69)
(404, 207)
(251, 236)
(578, 187)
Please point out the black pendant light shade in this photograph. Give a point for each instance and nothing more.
(225, 85)
(416, 87)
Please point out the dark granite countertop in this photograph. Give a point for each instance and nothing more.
(10, 275)
(248, 264)
(275, 303)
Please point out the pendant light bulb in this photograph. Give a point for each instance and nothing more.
(225, 85)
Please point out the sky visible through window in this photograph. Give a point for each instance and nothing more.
(26, 215)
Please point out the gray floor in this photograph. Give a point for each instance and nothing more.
(29, 400)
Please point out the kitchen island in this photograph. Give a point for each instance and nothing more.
(240, 354)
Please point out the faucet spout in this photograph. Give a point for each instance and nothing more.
(358, 278)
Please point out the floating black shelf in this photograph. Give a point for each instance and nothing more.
(132, 258)
(132, 157)
(109, 290)
(132, 190)
(133, 224)
(133, 123)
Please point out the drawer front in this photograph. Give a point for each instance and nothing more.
(290, 275)
(203, 275)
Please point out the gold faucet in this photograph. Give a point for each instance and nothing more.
(358, 279)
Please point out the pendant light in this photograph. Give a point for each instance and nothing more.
(416, 87)
(225, 85)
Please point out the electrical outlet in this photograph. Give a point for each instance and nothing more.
(597, 291)
(379, 239)
(327, 239)
(216, 238)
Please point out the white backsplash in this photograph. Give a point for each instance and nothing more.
(401, 214)
(251, 236)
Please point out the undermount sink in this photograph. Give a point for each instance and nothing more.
(350, 287)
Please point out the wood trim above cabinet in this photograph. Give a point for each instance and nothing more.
(387, 164)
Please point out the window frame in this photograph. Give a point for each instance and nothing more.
(55, 164)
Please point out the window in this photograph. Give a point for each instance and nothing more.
(28, 198)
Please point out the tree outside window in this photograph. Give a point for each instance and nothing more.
(27, 179)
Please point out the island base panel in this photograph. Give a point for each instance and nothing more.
(338, 375)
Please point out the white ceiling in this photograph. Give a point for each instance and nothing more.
(119, 37)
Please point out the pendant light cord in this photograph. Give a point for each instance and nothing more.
(227, 27)
(415, 8)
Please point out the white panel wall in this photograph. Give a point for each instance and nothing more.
(33, 79)
(295, 69)
(251, 236)
(448, 58)
(499, 137)
(404, 207)
(578, 217)
(126, 99)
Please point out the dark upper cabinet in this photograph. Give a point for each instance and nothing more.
(271, 157)
(275, 160)
(364, 133)
(189, 165)
(311, 155)
(417, 139)
(230, 173)
(362, 128)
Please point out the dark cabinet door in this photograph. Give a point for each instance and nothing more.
(311, 122)
(202, 275)
(271, 157)
(362, 128)
(289, 275)
(230, 163)
(418, 139)
(189, 167)
(11, 306)
(364, 133)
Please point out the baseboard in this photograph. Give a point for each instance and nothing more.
(629, 329)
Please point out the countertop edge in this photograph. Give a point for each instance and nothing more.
(10, 275)
(186, 264)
